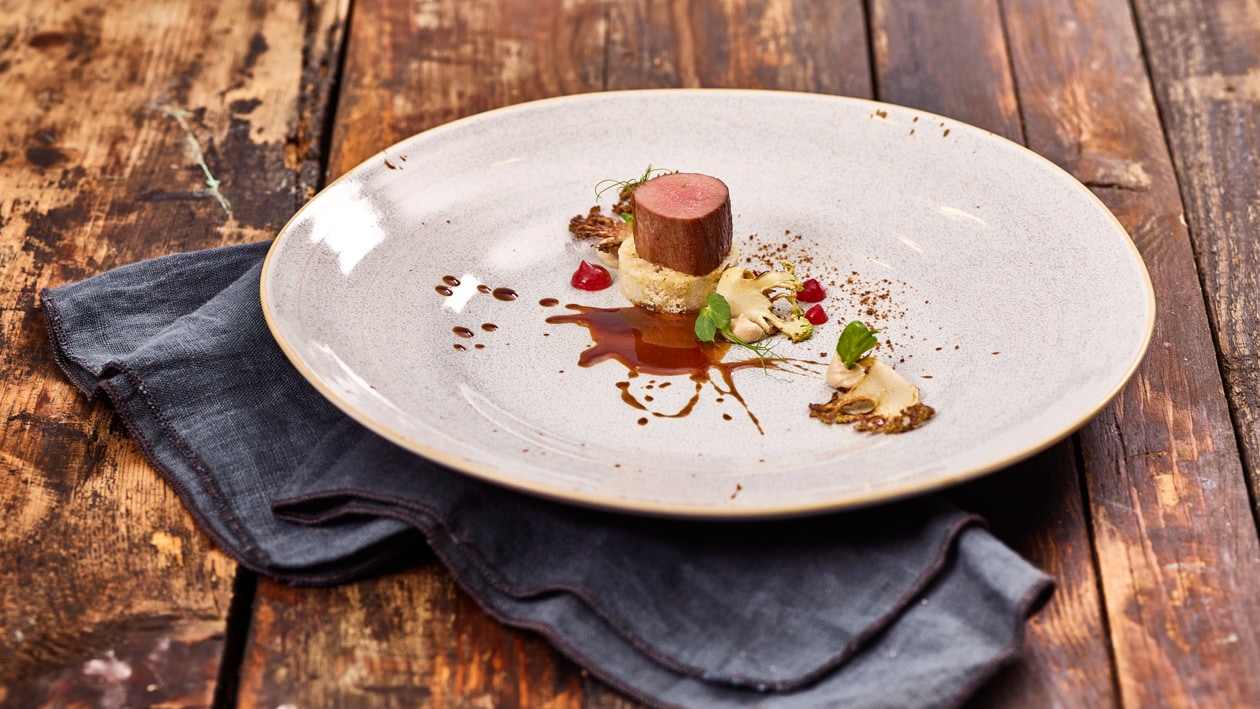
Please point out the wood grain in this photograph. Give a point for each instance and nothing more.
(1176, 543)
(948, 57)
(415, 65)
(402, 640)
(1205, 63)
(783, 45)
(109, 594)
(952, 58)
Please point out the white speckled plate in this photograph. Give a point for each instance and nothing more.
(1009, 294)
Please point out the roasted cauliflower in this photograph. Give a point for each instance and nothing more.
(752, 298)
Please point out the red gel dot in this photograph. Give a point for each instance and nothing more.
(591, 277)
(812, 292)
(816, 315)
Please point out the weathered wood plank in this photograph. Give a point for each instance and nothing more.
(403, 640)
(819, 47)
(952, 58)
(415, 65)
(1173, 531)
(115, 118)
(1205, 63)
(308, 144)
(413, 638)
(948, 58)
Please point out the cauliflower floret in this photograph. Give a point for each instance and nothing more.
(797, 328)
(752, 299)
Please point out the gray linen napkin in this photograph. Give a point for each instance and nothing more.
(905, 605)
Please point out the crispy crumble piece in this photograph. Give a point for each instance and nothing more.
(910, 418)
(625, 201)
(609, 230)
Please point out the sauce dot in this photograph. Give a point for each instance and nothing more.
(489, 327)
(811, 292)
(443, 290)
(643, 421)
(483, 288)
(450, 280)
(460, 347)
(590, 277)
(462, 331)
(549, 302)
(505, 294)
(816, 315)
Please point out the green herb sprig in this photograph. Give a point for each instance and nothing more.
(856, 340)
(715, 317)
(604, 185)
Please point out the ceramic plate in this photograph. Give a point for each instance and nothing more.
(1007, 292)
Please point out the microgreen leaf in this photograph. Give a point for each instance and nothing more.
(719, 309)
(715, 317)
(705, 329)
(856, 340)
(628, 218)
(604, 185)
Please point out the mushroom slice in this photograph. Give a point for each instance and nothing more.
(883, 401)
(608, 230)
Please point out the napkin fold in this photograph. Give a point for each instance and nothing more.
(903, 605)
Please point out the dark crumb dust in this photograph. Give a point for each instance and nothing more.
(879, 302)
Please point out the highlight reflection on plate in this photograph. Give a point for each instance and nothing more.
(1007, 292)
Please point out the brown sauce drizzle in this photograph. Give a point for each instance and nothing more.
(657, 343)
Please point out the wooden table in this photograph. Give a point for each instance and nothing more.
(134, 129)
